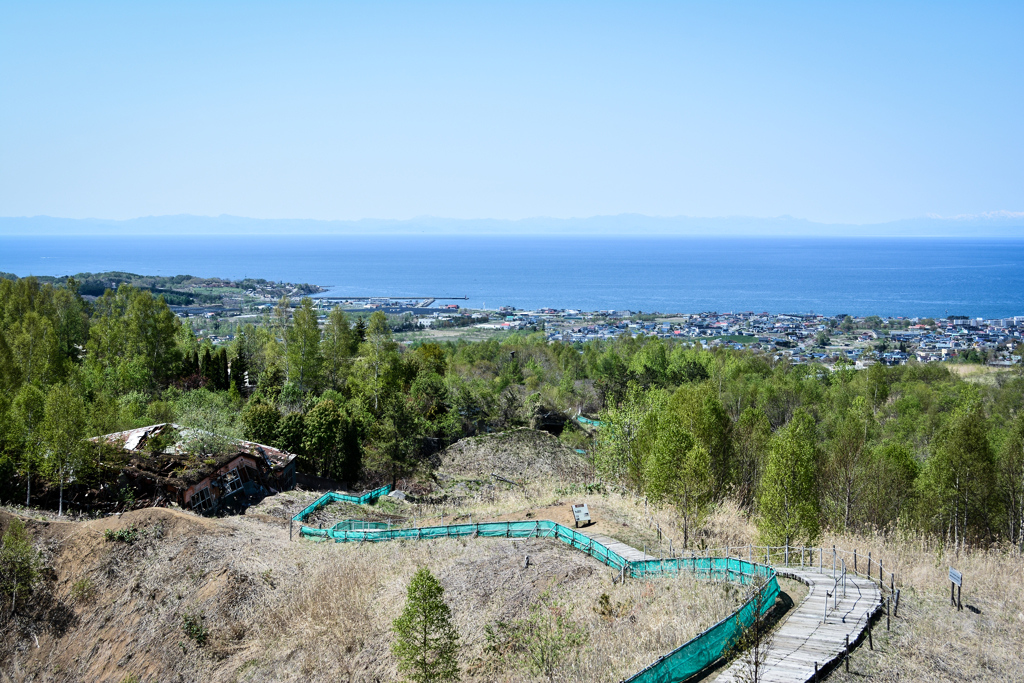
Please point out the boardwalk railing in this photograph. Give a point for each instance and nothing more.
(821, 559)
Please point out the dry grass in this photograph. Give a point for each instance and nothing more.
(302, 611)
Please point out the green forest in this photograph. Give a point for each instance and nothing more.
(802, 448)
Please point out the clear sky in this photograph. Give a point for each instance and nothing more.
(835, 112)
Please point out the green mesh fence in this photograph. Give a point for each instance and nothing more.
(332, 497)
(354, 524)
(678, 665)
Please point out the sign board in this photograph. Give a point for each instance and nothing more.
(956, 577)
(580, 513)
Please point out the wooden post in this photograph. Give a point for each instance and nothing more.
(958, 605)
(888, 601)
(892, 583)
(871, 643)
(815, 672)
(847, 657)
(869, 564)
(833, 561)
(855, 561)
(896, 604)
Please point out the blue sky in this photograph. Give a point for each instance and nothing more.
(826, 111)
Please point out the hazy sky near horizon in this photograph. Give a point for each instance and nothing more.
(852, 112)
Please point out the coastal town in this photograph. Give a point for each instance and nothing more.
(798, 337)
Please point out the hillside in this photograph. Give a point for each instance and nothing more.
(274, 610)
(517, 454)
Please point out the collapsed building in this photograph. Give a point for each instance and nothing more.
(198, 470)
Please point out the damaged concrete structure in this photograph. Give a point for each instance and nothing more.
(220, 476)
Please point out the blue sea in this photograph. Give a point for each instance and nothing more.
(910, 277)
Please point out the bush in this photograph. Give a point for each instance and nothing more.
(193, 626)
(128, 535)
(83, 590)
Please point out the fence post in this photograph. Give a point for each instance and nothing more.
(888, 601)
(892, 583)
(896, 605)
(847, 657)
(833, 562)
(855, 561)
(869, 564)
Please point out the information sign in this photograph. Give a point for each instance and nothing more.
(956, 577)
(580, 513)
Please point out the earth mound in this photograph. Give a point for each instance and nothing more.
(516, 454)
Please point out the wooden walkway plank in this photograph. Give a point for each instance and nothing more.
(805, 639)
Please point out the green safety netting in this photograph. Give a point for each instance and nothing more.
(352, 524)
(678, 665)
(332, 497)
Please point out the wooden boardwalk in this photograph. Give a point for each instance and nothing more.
(628, 552)
(812, 634)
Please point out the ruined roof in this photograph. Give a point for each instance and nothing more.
(168, 460)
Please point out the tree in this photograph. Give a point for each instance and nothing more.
(426, 640)
(259, 422)
(393, 438)
(131, 327)
(787, 499)
(1011, 480)
(63, 428)
(28, 411)
(751, 436)
(958, 481)
(678, 471)
(379, 351)
(303, 347)
(849, 432)
(321, 436)
(704, 416)
(20, 563)
(337, 348)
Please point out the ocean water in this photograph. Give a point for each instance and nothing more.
(923, 277)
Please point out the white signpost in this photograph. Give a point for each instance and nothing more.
(956, 582)
(580, 513)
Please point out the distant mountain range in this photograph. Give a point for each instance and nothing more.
(990, 225)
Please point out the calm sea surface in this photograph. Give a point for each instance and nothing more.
(926, 277)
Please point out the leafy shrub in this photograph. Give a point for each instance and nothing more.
(193, 626)
(128, 535)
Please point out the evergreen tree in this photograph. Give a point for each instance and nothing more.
(206, 368)
(237, 372)
(426, 640)
(223, 383)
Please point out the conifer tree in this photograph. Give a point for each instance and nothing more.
(426, 640)
(206, 367)
(222, 370)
